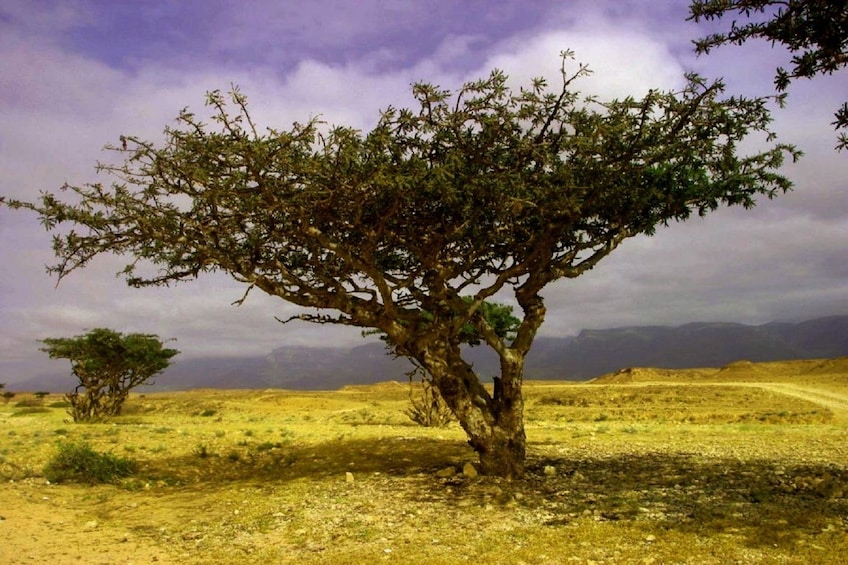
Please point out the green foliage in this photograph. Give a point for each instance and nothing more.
(268, 445)
(814, 31)
(498, 316)
(485, 186)
(78, 462)
(108, 365)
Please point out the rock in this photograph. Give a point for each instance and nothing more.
(493, 490)
(348, 477)
(550, 470)
(446, 472)
(828, 488)
(470, 471)
(91, 525)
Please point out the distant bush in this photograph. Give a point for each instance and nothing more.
(268, 445)
(31, 410)
(427, 408)
(29, 403)
(78, 462)
(202, 450)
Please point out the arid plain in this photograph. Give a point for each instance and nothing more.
(746, 464)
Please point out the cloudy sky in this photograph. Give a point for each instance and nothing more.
(76, 74)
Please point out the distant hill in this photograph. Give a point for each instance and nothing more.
(590, 354)
(596, 352)
(797, 371)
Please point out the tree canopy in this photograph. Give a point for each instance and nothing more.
(814, 31)
(411, 227)
(108, 365)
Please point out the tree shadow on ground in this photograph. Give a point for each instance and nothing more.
(395, 456)
(766, 502)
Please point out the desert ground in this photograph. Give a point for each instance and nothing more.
(743, 464)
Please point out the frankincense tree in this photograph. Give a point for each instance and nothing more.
(412, 227)
(108, 365)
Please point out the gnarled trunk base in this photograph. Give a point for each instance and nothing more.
(493, 421)
(502, 453)
(494, 424)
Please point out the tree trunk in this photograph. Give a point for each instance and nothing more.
(502, 446)
(494, 422)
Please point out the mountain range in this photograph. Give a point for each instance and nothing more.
(590, 354)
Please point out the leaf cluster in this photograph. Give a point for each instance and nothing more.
(498, 316)
(814, 31)
(106, 354)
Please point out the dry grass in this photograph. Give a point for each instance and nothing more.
(667, 467)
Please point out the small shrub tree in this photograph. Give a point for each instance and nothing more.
(78, 462)
(427, 408)
(7, 396)
(108, 365)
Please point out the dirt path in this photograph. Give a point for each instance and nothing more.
(837, 403)
(834, 401)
